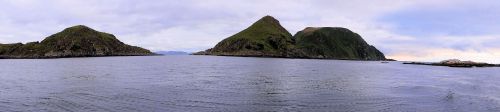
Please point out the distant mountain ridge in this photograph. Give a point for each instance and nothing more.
(172, 53)
(267, 38)
(76, 41)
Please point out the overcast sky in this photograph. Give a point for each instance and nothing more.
(418, 30)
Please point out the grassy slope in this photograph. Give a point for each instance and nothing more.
(265, 37)
(336, 43)
(75, 41)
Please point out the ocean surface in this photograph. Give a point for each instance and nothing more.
(211, 83)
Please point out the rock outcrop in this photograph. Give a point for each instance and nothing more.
(455, 63)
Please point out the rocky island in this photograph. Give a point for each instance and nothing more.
(76, 41)
(456, 63)
(264, 38)
(267, 38)
(335, 43)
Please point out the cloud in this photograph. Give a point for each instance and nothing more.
(437, 54)
(396, 27)
(464, 30)
(473, 18)
(481, 47)
(135, 20)
(192, 38)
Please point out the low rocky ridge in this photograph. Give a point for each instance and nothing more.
(267, 38)
(76, 41)
(455, 63)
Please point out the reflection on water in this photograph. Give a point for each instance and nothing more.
(208, 83)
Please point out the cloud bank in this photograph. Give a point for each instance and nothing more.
(419, 30)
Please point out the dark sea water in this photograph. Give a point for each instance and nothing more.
(209, 83)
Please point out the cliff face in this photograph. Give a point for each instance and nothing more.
(335, 43)
(266, 37)
(76, 41)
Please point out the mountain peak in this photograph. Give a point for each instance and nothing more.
(269, 19)
(79, 27)
(266, 37)
(267, 24)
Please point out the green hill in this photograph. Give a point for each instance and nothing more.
(76, 41)
(335, 43)
(266, 37)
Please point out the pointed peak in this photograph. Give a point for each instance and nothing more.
(269, 19)
(80, 27)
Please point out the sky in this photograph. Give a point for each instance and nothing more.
(408, 30)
